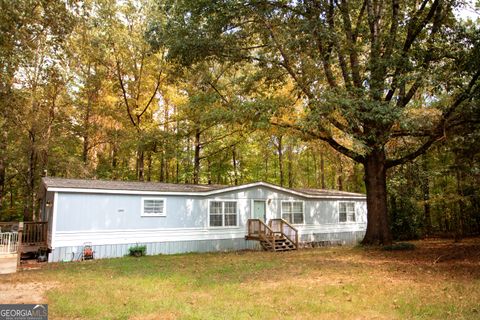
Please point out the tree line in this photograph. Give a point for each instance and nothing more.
(362, 96)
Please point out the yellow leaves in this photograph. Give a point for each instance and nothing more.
(423, 115)
(293, 108)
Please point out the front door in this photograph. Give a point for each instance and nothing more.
(259, 210)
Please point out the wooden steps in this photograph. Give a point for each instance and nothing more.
(278, 235)
(281, 244)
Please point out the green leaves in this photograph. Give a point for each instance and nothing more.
(346, 63)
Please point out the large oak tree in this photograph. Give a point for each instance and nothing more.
(373, 76)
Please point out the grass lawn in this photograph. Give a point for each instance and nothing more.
(438, 280)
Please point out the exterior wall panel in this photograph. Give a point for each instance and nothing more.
(48, 214)
(84, 212)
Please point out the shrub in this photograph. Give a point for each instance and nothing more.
(137, 251)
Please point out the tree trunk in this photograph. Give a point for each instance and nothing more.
(177, 144)
(290, 166)
(140, 165)
(378, 231)
(427, 219)
(10, 186)
(280, 159)
(162, 167)
(3, 166)
(209, 172)
(30, 194)
(166, 166)
(234, 164)
(196, 160)
(265, 177)
(86, 132)
(149, 166)
(2, 182)
(340, 174)
(322, 170)
(476, 208)
(315, 169)
(177, 171)
(460, 214)
(114, 158)
(165, 151)
(187, 164)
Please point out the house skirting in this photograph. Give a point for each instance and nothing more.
(341, 238)
(73, 253)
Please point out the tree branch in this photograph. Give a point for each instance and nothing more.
(390, 41)
(405, 98)
(414, 29)
(412, 34)
(286, 63)
(220, 150)
(224, 99)
(124, 92)
(153, 94)
(351, 36)
(330, 140)
(405, 133)
(140, 75)
(220, 137)
(325, 53)
(439, 132)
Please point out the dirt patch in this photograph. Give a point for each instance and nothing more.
(441, 251)
(32, 264)
(28, 292)
(455, 259)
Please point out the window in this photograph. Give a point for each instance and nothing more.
(230, 210)
(223, 214)
(292, 211)
(216, 214)
(153, 207)
(346, 211)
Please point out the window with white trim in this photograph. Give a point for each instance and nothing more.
(223, 214)
(292, 211)
(153, 207)
(346, 211)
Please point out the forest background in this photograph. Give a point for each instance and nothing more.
(90, 89)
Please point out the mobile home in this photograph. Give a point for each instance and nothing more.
(173, 218)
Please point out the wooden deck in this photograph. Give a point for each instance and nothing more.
(278, 235)
(33, 234)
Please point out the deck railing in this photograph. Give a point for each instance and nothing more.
(286, 229)
(11, 226)
(276, 229)
(258, 230)
(34, 233)
(33, 236)
(8, 242)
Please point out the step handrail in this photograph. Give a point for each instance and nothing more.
(264, 231)
(283, 223)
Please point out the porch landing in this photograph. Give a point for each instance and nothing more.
(8, 263)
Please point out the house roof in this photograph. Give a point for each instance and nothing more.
(51, 182)
(154, 188)
(326, 192)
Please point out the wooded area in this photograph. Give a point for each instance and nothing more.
(363, 96)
